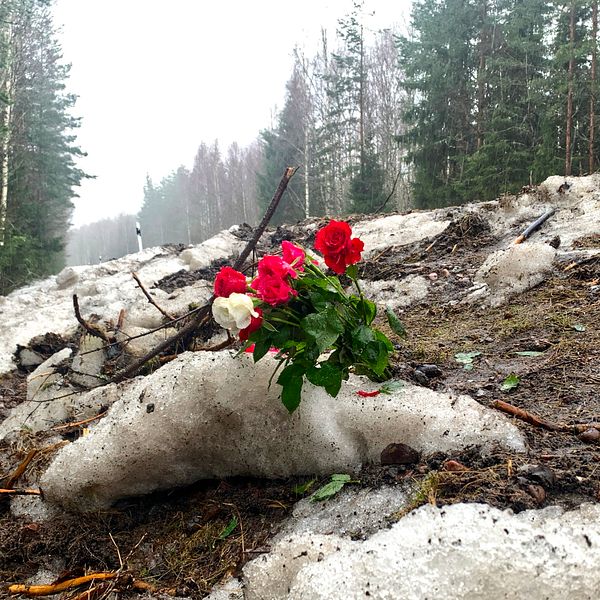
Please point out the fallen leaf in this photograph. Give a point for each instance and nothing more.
(510, 383)
(466, 359)
(338, 481)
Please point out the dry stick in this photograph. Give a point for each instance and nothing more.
(390, 194)
(120, 320)
(61, 586)
(149, 297)
(24, 492)
(532, 419)
(203, 312)
(12, 479)
(524, 415)
(79, 423)
(535, 225)
(91, 329)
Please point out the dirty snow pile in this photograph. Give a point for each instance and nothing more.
(207, 415)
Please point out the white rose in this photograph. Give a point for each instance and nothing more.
(234, 313)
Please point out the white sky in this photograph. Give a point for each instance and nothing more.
(155, 78)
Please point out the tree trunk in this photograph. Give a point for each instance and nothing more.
(7, 85)
(480, 74)
(361, 98)
(569, 123)
(306, 186)
(593, 86)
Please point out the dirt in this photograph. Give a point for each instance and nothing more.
(180, 540)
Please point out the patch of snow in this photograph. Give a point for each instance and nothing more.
(398, 230)
(396, 294)
(458, 552)
(506, 273)
(352, 512)
(211, 415)
(222, 245)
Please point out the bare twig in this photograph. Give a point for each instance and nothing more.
(120, 320)
(204, 311)
(149, 297)
(285, 179)
(79, 423)
(61, 586)
(23, 492)
(12, 479)
(536, 421)
(525, 416)
(391, 193)
(91, 329)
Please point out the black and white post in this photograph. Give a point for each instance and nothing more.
(138, 232)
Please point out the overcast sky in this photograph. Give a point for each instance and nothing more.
(156, 78)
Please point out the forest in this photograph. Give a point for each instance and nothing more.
(474, 99)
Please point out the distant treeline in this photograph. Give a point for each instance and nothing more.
(475, 99)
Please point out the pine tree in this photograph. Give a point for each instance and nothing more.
(38, 168)
(440, 61)
(284, 146)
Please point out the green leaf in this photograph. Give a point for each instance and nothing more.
(383, 338)
(228, 530)
(395, 324)
(579, 327)
(282, 336)
(338, 481)
(376, 356)
(352, 271)
(291, 379)
(341, 477)
(361, 336)
(261, 347)
(531, 353)
(367, 308)
(510, 383)
(391, 386)
(321, 300)
(302, 488)
(326, 375)
(268, 326)
(325, 327)
(324, 284)
(466, 359)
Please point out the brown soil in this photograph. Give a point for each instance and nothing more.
(178, 540)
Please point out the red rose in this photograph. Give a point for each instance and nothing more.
(274, 266)
(228, 281)
(255, 323)
(272, 289)
(293, 256)
(338, 250)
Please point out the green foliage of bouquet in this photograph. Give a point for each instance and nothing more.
(319, 330)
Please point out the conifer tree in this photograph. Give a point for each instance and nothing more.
(37, 154)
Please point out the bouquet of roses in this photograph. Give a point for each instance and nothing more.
(320, 331)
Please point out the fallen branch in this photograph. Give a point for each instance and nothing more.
(149, 297)
(528, 417)
(91, 329)
(23, 492)
(204, 311)
(535, 225)
(61, 586)
(532, 419)
(12, 479)
(79, 423)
